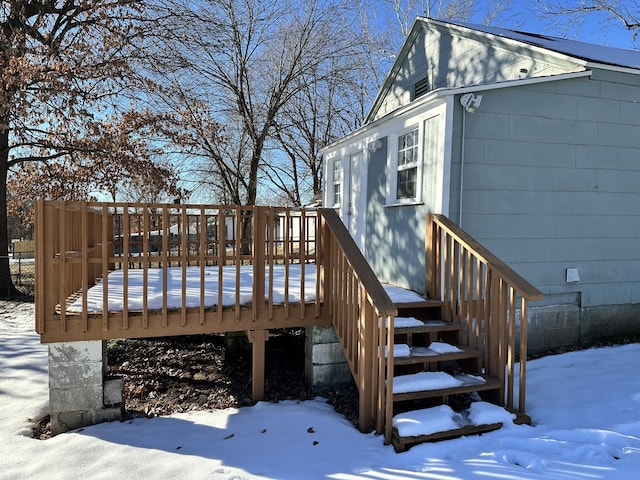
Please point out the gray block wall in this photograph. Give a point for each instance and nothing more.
(552, 182)
(325, 364)
(79, 392)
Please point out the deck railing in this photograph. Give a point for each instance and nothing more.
(486, 295)
(79, 244)
(83, 246)
(362, 314)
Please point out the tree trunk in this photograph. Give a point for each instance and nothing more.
(7, 289)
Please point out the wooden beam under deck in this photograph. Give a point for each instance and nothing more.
(173, 323)
(257, 339)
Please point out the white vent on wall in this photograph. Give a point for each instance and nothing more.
(572, 275)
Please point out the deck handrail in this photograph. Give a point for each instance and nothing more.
(514, 278)
(362, 315)
(81, 244)
(481, 291)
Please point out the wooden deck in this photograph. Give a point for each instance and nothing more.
(84, 245)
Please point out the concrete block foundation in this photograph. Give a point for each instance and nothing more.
(325, 364)
(79, 393)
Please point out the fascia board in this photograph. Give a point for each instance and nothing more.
(511, 83)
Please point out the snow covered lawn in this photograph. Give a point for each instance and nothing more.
(585, 408)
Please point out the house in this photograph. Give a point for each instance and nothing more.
(531, 144)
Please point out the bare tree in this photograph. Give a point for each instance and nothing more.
(240, 62)
(625, 13)
(68, 71)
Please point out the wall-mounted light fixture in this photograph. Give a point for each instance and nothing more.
(470, 101)
(375, 145)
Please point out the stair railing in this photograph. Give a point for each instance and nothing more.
(362, 314)
(486, 295)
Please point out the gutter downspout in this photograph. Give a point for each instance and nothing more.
(464, 121)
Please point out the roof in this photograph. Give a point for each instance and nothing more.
(589, 52)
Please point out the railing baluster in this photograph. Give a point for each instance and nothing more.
(62, 267)
(238, 257)
(166, 234)
(303, 262)
(222, 252)
(511, 346)
(184, 246)
(523, 354)
(486, 291)
(106, 218)
(287, 259)
(259, 260)
(272, 215)
(84, 226)
(203, 261)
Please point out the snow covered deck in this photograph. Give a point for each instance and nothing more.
(174, 269)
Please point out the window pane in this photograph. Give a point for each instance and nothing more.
(407, 165)
(407, 182)
(337, 171)
(337, 178)
(408, 148)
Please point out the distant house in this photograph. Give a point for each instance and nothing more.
(530, 143)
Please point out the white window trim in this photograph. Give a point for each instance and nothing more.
(392, 161)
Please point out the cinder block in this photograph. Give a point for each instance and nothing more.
(77, 352)
(323, 377)
(69, 375)
(75, 398)
(65, 421)
(327, 353)
(321, 334)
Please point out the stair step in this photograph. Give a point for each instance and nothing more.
(425, 326)
(429, 385)
(441, 423)
(423, 355)
(423, 303)
(402, 444)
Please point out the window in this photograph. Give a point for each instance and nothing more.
(337, 182)
(407, 179)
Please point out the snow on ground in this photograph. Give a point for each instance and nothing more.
(585, 408)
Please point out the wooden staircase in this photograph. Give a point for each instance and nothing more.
(417, 328)
(413, 358)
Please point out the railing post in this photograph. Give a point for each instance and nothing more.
(326, 276)
(524, 320)
(257, 339)
(387, 390)
(46, 270)
(430, 259)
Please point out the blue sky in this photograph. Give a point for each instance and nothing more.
(597, 28)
